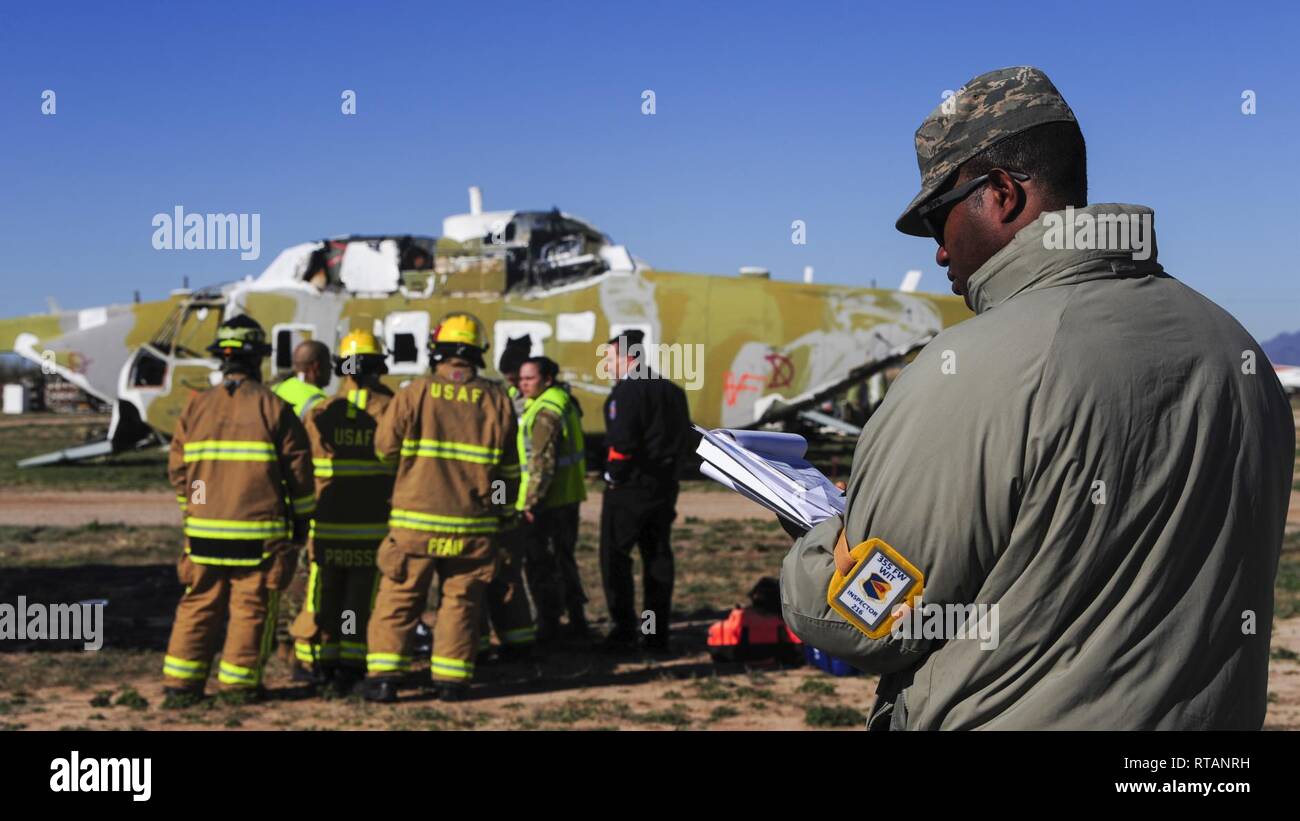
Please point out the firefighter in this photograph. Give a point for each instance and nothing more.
(311, 373)
(507, 599)
(551, 488)
(646, 426)
(303, 390)
(453, 435)
(241, 467)
(352, 492)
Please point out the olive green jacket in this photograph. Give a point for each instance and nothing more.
(1104, 454)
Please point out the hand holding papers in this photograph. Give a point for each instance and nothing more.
(770, 469)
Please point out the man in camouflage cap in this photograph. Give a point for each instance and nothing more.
(1068, 511)
(989, 108)
(994, 111)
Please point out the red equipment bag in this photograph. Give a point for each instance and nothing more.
(755, 633)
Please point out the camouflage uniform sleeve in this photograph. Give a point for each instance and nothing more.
(295, 462)
(176, 472)
(547, 428)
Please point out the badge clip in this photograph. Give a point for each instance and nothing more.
(881, 580)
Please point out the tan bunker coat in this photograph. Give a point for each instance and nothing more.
(452, 435)
(241, 468)
(352, 492)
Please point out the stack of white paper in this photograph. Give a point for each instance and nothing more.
(769, 468)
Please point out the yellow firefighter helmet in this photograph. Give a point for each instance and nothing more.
(460, 335)
(360, 354)
(460, 329)
(357, 343)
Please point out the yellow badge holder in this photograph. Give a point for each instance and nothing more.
(881, 581)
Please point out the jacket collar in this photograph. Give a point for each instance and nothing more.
(1061, 247)
(447, 372)
(351, 383)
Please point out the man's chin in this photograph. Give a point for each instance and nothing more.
(959, 290)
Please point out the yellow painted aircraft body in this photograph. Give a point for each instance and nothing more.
(747, 349)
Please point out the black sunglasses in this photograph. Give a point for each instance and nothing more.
(935, 212)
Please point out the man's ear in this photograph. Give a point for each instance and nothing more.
(1005, 196)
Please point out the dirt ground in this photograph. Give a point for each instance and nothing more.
(49, 687)
(565, 692)
(69, 538)
(44, 687)
(34, 508)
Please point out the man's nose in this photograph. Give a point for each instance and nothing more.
(941, 257)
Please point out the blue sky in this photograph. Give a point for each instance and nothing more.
(765, 113)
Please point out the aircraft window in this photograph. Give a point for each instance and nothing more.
(416, 258)
(198, 327)
(510, 232)
(149, 371)
(284, 350)
(406, 332)
(404, 348)
(286, 338)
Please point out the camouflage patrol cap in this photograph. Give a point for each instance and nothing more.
(987, 109)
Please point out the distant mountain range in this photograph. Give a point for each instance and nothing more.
(1283, 349)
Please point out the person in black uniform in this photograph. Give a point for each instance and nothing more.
(646, 429)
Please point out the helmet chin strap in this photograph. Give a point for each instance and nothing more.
(442, 351)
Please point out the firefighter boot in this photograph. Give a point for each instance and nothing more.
(382, 690)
